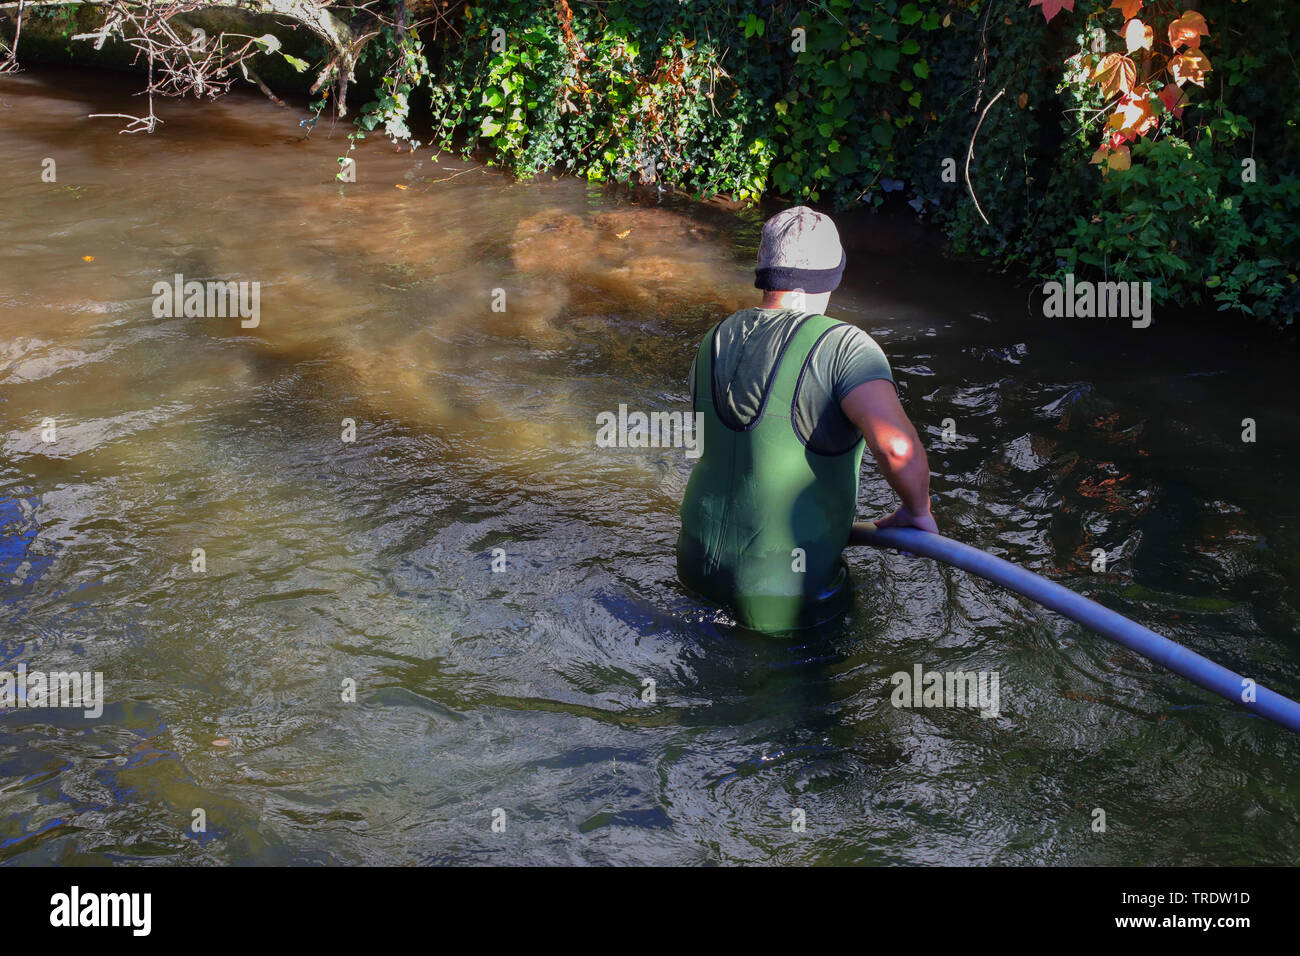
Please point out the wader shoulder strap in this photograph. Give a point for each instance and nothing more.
(704, 368)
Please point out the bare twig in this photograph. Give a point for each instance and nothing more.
(10, 62)
(138, 124)
(970, 151)
(191, 65)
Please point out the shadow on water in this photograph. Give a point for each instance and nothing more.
(371, 561)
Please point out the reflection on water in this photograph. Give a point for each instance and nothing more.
(371, 561)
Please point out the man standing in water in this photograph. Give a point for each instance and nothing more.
(788, 398)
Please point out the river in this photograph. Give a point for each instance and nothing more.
(520, 696)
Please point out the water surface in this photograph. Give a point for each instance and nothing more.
(371, 561)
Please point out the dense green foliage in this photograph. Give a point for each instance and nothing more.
(844, 102)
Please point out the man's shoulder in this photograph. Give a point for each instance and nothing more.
(848, 336)
(850, 357)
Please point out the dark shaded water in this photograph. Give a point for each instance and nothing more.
(371, 561)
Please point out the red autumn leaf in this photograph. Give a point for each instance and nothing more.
(1115, 73)
(1138, 36)
(1052, 7)
(1127, 7)
(1115, 157)
(1134, 114)
(1187, 30)
(1120, 136)
(1174, 99)
(1190, 67)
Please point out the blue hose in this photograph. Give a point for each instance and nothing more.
(1076, 607)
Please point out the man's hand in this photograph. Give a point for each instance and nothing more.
(902, 518)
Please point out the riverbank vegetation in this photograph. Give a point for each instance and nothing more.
(1139, 140)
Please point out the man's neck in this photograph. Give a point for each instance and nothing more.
(786, 299)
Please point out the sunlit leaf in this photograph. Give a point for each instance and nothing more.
(1128, 7)
(1138, 36)
(1114, 157)
(1190, 67)
(1187, 30)
(1116, 74)
(1134, 114)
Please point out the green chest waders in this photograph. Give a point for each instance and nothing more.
(764, 517)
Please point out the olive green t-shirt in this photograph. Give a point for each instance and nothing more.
(745, 351)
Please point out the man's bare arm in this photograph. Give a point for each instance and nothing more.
(874, 407)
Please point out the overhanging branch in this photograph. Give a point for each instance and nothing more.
(183, 67)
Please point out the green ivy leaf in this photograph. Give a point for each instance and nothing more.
(885, 58)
